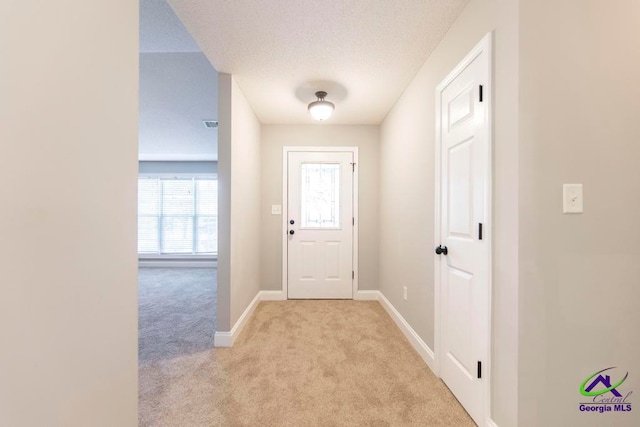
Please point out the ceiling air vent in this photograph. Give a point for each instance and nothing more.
(212, 124)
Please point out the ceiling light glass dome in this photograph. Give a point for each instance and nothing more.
(321, 109)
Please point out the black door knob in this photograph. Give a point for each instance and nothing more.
(442, 250)
(292, 232)
(292, 222)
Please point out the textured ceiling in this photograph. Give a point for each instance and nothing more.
(177, 92)
(161, 31)
(363, 53)
(178, 89)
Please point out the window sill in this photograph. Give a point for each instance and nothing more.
(184, 261)
(178, 257)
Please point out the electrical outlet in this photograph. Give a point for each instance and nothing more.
(276, 210)
(404, 293)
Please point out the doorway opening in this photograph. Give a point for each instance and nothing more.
(177, 191)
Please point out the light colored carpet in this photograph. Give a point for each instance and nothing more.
(176, 312)
(302, 363)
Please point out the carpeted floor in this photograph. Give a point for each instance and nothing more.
(176, 312)
(302, 363)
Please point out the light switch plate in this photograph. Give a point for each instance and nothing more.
(276, 210)
(572, 200)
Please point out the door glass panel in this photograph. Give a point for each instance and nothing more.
(320, 188)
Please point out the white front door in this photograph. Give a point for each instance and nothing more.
(320, 225)
(463, 250)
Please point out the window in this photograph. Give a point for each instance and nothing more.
(320, 187)
(177, 215)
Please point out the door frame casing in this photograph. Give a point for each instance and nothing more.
(285, 210)
(484, 46)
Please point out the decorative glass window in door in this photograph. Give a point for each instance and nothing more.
(320, 188)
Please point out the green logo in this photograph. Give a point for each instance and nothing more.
(605, 381)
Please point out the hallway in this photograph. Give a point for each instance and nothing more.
(301, 363)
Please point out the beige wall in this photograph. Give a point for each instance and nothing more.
(274, 137)
(579, 277)
(407, 191)
(68, 261)
(223, 310)
(245, 204)
(239, 200)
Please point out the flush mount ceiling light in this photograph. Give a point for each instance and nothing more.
(321, 109)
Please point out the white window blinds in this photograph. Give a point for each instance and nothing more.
(177, 215)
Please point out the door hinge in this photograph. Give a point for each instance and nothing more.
(479, 369)
(353, 167)
(480, 231)
(353, 221)
(481, 94)
(353, 275)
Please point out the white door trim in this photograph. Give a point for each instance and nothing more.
(484, 46)
(285, 210)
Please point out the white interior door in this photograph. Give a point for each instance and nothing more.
(463, 230)
(320, 225)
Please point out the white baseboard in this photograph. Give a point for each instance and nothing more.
(272, 296)
(367, 296)
(223, 339)
(226, 339)
(420, 346)
(145, 263)
(491, 423)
